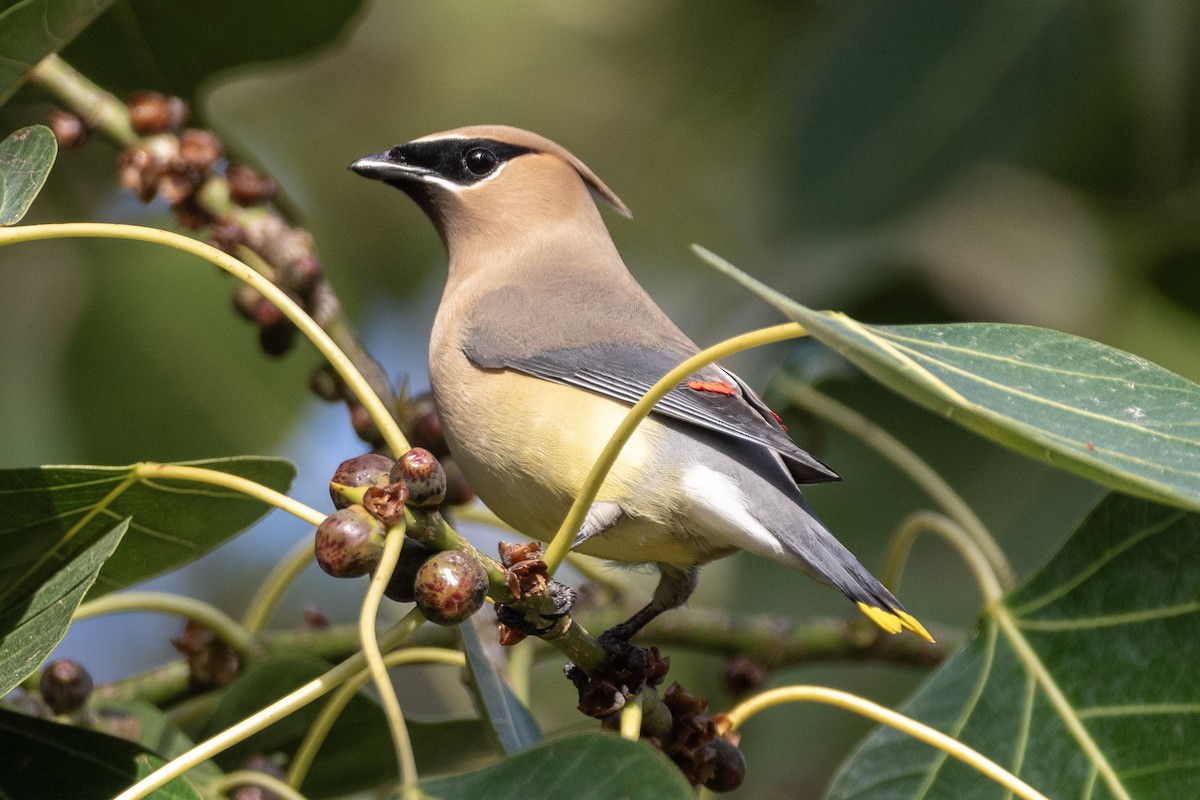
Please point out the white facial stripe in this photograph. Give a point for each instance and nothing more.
(430, 177)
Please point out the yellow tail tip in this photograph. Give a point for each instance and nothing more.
(894, 621)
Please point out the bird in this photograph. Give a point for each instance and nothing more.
(542, 341)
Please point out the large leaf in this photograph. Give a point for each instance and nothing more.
(34, 618)
(172, 47)
(510, 720)
(25, 160)
(592, 766)
(47, 514)
(1077, 404)
(41, 760)
(1082, 682)
(894, 99)
(33, 29)
(358, 753)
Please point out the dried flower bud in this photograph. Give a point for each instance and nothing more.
(211, 662)
(386, 503)
(743, 676)
(68, 129)
(200, 149)
(248, 186)
(152, 112)
(139, 172)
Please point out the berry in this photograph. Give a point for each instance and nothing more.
(450, 587)
(421, 472)
(370, 469)
(730, 766)
(426, 425)
(349, 543)
(65, 686)
(412, 555)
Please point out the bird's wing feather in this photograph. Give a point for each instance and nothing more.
(712, 397)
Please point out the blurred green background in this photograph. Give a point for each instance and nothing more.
(1029, 162)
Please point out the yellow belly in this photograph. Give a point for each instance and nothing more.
(527, 445)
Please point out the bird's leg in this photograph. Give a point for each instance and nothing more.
(675, 586)
(600, 517)
(629, 667)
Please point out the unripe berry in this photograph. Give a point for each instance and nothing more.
(450, 587)
(349, 543)
(730, 766)
(65, 686)
(354, 475)
(426, 425)
(423, 475)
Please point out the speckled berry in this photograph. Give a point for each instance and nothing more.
(424, 476)
(349, 543)
(450, 587)
(65, 686)
(354, 475)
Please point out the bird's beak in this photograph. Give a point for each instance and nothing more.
(385, 167)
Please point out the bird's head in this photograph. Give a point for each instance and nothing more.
(491, 180)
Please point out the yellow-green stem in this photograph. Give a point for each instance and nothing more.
(307, 752)
(931, 522)
(281, 576)
(224, 785)
(251, 725)
(885, 716)
(321, 340)
(98, 109)
(566, 533)
(149, 469)
(221, 624)
(370, 648)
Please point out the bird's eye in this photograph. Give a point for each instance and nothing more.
(480, 160)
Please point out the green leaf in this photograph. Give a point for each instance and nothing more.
(1082, 682)
(144, 724)
(509, 718)
(33, 29)
(25, 160)
(1079, 405)
(592, 766)
(987, 84)
(173, 47)
(35, 615)
(48, 513)
(358, 754)
(42, 760)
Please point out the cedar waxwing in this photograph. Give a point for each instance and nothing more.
(542, 342)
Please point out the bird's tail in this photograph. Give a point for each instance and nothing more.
(829, 560)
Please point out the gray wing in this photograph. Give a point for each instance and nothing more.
(711, 398)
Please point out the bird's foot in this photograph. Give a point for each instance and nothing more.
(624, 674)
(558, 600)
